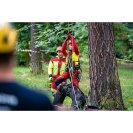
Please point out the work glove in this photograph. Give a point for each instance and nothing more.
(69, 35)
(50, 77)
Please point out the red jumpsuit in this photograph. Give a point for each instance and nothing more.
(71, 70)
(56, 68)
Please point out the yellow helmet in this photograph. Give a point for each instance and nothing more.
(8, 38)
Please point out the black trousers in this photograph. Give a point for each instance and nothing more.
(77, 96)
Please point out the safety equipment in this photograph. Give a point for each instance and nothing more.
(50, 77)
(59, 49)
(56, 66)
(75, 59)
(8, 37)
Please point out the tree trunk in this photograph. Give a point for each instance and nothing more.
(104, 80)
(36, 65)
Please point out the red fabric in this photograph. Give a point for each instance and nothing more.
(75, 81)
(74, 44)
(64, 45)
(59, 66)
(57, 59)
(53, 83)
(65, 75)
(74, 78)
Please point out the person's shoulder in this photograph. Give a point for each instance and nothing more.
(41, 100)
(30, 90)
(55, 58)
(64, 59)
(75, 54)
(36, 97)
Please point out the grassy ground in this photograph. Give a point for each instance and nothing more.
(126, 79)
(41, 81)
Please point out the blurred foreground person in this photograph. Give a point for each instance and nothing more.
(14, 96)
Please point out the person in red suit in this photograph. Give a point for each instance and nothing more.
(56, 67)
(72, 60)
(72, 72)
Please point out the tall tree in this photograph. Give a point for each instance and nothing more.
(36, 65)
(104, 80)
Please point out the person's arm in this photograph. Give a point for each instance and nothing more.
(74, 44)
(50, 69)
(64, 45)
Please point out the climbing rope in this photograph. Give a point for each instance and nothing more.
(70, 73)
(70, 66)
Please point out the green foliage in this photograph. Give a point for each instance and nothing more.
(123, 41)
(23, 30)
(129, 25)
(126, 80)
(50, 35)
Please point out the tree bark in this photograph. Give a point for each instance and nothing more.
(36, 65)
(105, 86)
